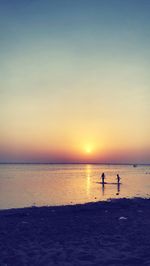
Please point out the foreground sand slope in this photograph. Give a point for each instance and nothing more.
(107, 233)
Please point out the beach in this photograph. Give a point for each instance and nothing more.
(115, 232)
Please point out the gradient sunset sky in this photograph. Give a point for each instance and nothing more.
(75, 81)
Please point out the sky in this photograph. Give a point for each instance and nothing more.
(74, 81)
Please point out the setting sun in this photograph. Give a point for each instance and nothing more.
(88, 149)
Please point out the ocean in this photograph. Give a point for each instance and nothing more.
(24, 185)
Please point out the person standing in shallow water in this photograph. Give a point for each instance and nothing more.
(118, 179)
(103, 178)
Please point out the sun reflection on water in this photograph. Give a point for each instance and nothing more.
(88, 179)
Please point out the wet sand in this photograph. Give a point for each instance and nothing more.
(94, 234)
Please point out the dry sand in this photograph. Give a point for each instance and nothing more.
(105, 233)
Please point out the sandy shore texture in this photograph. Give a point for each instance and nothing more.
(106, 233)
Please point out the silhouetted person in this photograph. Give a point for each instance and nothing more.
(103, 178)
(118, 179)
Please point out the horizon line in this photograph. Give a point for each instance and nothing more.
(95, 163)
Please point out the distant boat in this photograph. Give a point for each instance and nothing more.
(134, 165)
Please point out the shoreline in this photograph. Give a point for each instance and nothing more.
(115, 232)
(92, 204)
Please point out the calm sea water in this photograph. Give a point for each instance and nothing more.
(43, 184)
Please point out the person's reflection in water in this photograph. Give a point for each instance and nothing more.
(118, 189)
(103, 189)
